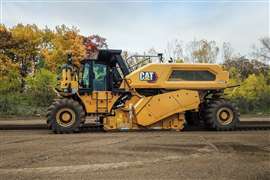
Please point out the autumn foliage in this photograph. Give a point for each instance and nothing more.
(29, 59)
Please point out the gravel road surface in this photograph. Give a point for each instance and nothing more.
(38, 154)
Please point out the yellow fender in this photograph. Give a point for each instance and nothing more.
(150, 110)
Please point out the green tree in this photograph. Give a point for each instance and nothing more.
(252, 95)
(40, 87)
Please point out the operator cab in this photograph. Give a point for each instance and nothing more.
(105, 73)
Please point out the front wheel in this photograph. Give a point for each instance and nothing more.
(65, 116)
(221, 115)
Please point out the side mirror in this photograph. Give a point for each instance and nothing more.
(171, 60)
(69, 58)
(160, 55)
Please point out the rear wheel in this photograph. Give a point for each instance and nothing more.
(221, 115)
(65, 116)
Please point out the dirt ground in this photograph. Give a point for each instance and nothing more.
(38, 154)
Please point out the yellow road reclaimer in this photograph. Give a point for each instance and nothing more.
(154, 96)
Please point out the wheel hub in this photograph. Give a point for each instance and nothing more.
(225, 115)
(65, 117)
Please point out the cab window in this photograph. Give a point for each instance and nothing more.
(186, 75)
(100, 80)
(85, 76)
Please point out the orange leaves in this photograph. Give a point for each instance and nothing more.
(28, 44)
(93, 43)
(59, 43)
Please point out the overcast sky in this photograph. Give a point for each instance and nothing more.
(139, 25)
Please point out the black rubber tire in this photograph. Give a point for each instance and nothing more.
(65, 103)
(192, 118)
(210, 115)
(82, 117)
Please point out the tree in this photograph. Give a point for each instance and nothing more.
(41, 87)
(9, 69)
(7, 65)
(93, 43)
(6, 41)
(56, 44)
(28, 38)
(263, 52)
(227, 51)
(152, 51)
(19, 47)
(244, 67)
(252, 95)
(204, 51)
(125, 54)
(175, 50)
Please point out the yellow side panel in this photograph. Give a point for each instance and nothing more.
(119, 121)
(122, 121)
(163, 72)
(150, 110)
(175, 121)
(99, 101)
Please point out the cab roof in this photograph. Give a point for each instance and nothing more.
(103, 55)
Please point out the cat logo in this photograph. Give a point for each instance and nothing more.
(148, 76)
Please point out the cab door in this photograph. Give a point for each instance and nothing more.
(101, 94)
(96, 91)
